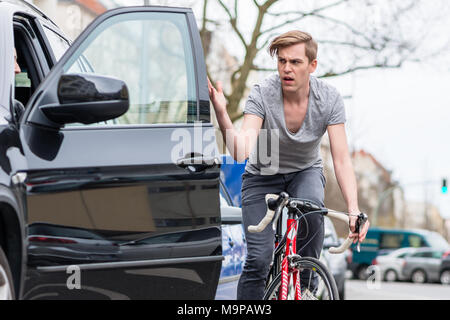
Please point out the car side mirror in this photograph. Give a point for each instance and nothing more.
(88, 98)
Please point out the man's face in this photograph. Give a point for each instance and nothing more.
(294, 67)
(16, 65)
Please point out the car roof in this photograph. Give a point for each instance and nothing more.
(413, 231)
(406, 249)
(28, 8)
(428, 249)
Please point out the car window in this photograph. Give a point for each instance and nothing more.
(415, 241)
(437, 254)
(426, 254)
(58, 44)
(391, 240)
(402, 255)
(152, 53)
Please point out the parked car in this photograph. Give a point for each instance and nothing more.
(337, 263)
(444, 270)
(93, 165)
(234, 247)
(231, 173)
(391, 263)
(388, 240)
(422, 265)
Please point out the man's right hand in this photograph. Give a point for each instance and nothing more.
(217, 97)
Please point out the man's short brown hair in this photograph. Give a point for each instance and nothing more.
(291, 38)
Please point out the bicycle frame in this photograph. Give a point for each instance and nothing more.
(290, 249)
(289, 262)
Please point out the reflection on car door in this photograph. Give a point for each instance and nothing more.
(124, 201)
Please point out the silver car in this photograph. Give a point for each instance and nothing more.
(423, 265)
(390, 265)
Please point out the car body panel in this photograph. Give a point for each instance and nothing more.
(110, 201)
(391, 239)
(233, 245)
(427, 260)
(393, 261)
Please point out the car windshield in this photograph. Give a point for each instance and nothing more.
(435, 240)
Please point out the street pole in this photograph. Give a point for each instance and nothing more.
(381, 198)
(388, 191)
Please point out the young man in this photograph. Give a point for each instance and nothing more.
(295, 109)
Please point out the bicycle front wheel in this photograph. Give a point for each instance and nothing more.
(316, 282)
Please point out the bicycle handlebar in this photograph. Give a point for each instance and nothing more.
(276, 203)
(269, 215)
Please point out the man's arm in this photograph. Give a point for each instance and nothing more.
(239, 143)
(345, 175)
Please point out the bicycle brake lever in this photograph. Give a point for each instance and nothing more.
(362, 218)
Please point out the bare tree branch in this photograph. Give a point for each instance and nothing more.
(344, 24)
(353, 69)
(256, 3)
(348, 44)
(361, 40)
(299, 15)
(335, 4)
(233, 22)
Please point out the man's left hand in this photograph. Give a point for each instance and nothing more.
(363, 230)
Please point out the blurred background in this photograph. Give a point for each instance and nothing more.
(390, 61)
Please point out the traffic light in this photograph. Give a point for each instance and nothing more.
(444, 188)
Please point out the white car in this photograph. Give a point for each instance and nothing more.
(391, 264)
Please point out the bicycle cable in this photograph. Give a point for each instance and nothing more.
(315, 234)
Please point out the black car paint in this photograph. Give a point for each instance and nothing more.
(100, 198)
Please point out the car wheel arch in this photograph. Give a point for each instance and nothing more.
(388, 271)
(361, 272)
(11, 239)
(445, 271)
(420, 270)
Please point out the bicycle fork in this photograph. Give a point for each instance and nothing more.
(291, 251)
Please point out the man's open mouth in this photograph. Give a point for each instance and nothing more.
(288, 79)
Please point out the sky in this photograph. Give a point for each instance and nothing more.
(401, 116)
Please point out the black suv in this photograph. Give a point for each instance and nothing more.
(109, 184)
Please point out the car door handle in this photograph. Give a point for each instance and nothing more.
(197, 163)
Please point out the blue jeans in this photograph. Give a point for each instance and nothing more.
(306, 184)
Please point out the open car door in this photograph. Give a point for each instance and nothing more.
(122, 200)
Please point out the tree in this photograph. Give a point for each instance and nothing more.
(352, 34)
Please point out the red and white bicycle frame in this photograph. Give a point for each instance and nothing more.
(289, 275)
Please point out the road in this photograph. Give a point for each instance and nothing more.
(362, 290)
(370, 290)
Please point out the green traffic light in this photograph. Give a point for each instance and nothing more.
(444, 189)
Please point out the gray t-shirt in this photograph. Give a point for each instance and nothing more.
(279, 150)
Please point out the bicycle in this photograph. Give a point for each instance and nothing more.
(292, 277)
